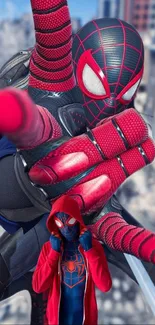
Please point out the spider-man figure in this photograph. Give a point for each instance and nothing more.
(82, 166)
(69, 265)
(108, 58)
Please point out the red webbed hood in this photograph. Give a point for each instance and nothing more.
(67, 205)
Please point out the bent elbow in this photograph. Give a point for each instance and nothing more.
(36, 288)
(108, 285)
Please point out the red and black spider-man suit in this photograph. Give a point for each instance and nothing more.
(102, 158)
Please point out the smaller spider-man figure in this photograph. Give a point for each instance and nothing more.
(70, 264)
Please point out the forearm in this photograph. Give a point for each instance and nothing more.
(116, 233)
(51, 62)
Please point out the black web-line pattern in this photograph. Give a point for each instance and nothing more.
(125, 46)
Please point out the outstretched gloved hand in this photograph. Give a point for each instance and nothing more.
(90, 167)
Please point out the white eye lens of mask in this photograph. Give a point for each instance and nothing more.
(92, 82)
(130, 93)
(58, 223)
(72, 221)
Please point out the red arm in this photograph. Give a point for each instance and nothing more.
(51, 69)
(45, 269)
(114, 231)
(51, 65)
(98, 267)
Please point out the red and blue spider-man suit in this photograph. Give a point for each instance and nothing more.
(101, 158)
(70, 271)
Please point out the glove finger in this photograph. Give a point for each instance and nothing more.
(92, 192)
(83, 231)
(89, 193)
(120, 133)
(55, 234)
(81, 153)
(25, 124)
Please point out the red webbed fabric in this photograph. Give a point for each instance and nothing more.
(51, 62)
(116, 233)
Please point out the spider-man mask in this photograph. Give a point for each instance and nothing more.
(108, 58)
(68, 226)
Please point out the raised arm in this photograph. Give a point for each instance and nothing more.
(51, 62)
(116, 233)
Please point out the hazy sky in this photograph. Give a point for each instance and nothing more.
(14, 8)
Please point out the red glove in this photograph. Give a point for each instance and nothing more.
(85, 239)
(89, 167)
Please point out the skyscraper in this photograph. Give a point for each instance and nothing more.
(109, 8)
(76, 24)
(151, 21)
(127, 8)
(151, 84)
(140, 14)
(122, 6)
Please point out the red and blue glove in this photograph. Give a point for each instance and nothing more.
(85, 239)
(55, 241)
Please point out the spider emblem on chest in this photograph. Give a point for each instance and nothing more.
(73, 269)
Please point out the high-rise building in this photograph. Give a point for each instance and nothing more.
(76, 24)
(122, 6)
(151, 21)
(140, 14)
(127, 10)
(151, 83)
(109, 8)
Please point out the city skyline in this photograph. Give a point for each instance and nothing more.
(11, 9)
(140, 13)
